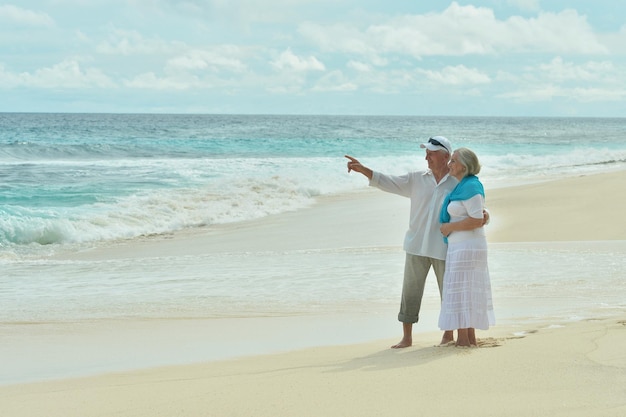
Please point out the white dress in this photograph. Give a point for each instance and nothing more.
(466, 300)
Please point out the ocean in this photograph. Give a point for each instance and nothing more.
(72, 182)
(70, 179)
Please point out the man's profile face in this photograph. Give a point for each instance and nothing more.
(436, 159)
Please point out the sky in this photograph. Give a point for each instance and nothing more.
(548, 58)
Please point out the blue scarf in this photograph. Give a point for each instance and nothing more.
(464, 190)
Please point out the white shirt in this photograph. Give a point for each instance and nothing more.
(423, 237)
(460, 210)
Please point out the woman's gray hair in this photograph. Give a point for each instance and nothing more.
(469, 160)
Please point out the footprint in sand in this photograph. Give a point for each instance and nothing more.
(489, 342)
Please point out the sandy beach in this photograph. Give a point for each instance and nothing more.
(575, 368)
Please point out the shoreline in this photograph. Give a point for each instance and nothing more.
(576, 208)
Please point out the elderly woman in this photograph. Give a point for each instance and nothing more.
(466, 302)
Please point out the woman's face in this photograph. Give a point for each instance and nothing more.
(457, 170)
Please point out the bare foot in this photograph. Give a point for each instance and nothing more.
(471, 335)
(447, 338)
(462, 339)
(407, 336)
(403, 343)
(446, 342)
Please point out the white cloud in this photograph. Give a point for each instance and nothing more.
(560, 71)
(616, 42)
(290, 84)
(20, 16)
(566, 32)
(460, 30)
(549, 92)
(240, 13)
(227, 58)
(593, 94)
(150, 81)
(334, 81)
(338, 38)
(290, 61)
(292, 73)
(359, 66)
(131, 42)
(458, 75)
(65, 75)
(591, 81)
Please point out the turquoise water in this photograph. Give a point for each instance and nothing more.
(75, 178)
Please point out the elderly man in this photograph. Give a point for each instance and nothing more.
(423, 242)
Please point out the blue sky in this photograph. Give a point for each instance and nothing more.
(392, 57)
